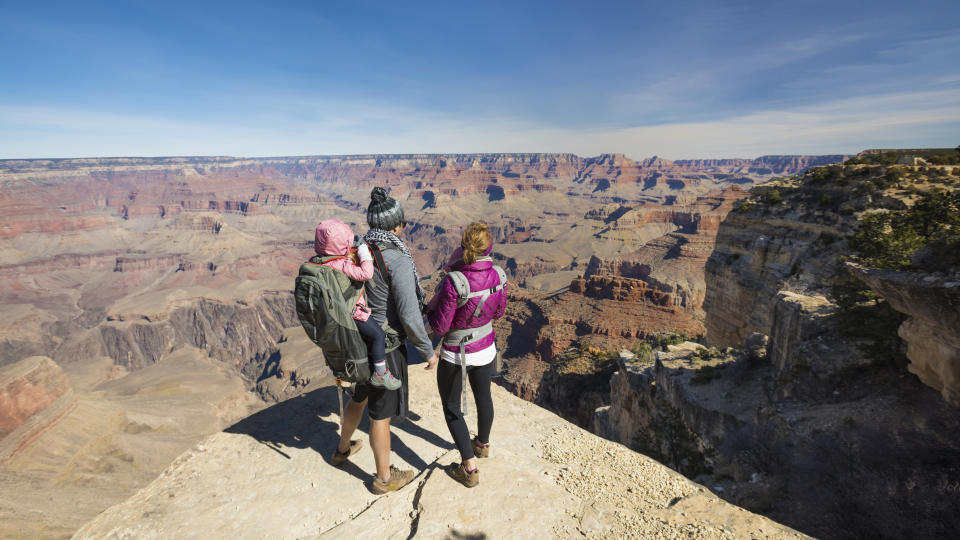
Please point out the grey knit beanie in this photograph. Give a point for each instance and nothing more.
(384, 211)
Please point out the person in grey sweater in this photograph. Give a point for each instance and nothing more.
(394, 296)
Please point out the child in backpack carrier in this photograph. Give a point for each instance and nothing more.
(335, 238)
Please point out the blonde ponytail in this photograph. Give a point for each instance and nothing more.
(476, 241)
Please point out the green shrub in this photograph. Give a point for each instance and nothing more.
(704, 375)
(890, 239)
(642, 353)
(704, 353)
(943, 158)
(661, 340)
(745, 206)
(819, 175)
(882, 244)
(891, 178)
(867, 318)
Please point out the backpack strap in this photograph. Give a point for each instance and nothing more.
(394, 338)
(351, 291)
(460, 339)
(464, 294)
(460, 285)
(316, 259)
(376, 252)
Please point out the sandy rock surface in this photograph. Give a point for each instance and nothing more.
(267, 477)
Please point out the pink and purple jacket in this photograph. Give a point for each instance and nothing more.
(443, 314)
(335, 237)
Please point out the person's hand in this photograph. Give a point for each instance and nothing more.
(363, 251)
(432, 362)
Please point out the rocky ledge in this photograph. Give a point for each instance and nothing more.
(267, 476)
(932, 329)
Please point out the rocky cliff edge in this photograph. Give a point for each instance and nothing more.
(267, 476)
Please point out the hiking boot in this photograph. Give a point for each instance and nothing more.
(480, 449)
(458, 473)
(398, 479)
(387, 381)
(339, 459)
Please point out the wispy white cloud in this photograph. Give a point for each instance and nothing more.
(917, 49)
(841, 126)
(336, 127)
(695, 89)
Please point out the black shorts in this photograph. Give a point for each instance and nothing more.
(385, 403)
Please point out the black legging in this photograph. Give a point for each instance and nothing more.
(375, 338)
(449, 384)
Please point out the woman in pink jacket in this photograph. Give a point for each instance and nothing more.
(468, 344)
(334, 238)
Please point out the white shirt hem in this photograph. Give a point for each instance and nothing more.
(479, 358)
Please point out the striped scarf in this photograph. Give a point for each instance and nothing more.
(380, 236)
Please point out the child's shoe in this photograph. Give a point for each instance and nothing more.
(387, 381)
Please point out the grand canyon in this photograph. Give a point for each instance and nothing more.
(697, 312)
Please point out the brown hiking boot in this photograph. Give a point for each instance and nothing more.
(398, 479)
(339, 459)
(480, 449)
(458, 473)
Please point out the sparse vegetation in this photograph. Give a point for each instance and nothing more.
(662, 340)
(832, 477)
(703, 353)
(766, 195)
(934, 156)
(583, 360)
(675, 445)
(888, 157)
(705, 374)
(869, 320)
(819, 175)
(578, 382)
(642, 354)
(745, 206)
(892, 239)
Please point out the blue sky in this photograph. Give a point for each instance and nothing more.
(676, 79)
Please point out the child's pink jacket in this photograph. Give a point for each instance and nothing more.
(335, 237)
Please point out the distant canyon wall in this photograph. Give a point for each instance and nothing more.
(799, 403)
(785, 165)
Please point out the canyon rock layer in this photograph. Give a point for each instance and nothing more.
(159, 288)
(820, 397)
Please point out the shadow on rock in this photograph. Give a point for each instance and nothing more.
(456, 535)
(298, 423)
(410, 427)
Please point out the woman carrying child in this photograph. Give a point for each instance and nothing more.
(465, 351)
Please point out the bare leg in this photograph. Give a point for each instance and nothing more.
(348, 424)
(471, 464)
(380, 443)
